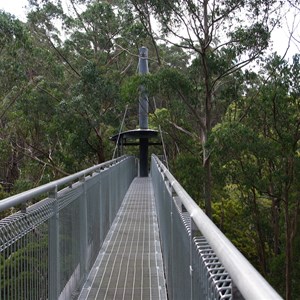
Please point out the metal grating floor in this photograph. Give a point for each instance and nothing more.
(129, 265)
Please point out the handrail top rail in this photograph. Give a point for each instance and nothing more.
(249, 281)
(53, 185)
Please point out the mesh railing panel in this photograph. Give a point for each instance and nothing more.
(24, 267)
(47, 250)
(69, 241)
(191, 273)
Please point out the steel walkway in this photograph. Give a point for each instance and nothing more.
(129, 265)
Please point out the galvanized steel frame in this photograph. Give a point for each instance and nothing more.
(47, 249)
(200, 262)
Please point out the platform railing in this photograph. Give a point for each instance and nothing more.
(200, 262)
(48, 248)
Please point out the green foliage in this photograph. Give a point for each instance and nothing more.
(175, 57)
(231, 217)
(250, 39)
(12, 32)
(130, 88)
(25, 264)
(259, 154)
(3, 195)
(5, 150)
(167, 82)
(188, 171)
(53, 122)
(160, 117)
(276, 276)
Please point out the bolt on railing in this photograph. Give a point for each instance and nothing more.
(47, 249)
(200, 262)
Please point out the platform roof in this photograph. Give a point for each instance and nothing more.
(135, 134)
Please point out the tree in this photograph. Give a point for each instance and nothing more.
(15, 45)
(261, 145)
(235, 31)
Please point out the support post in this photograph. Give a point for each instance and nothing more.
(83, 232)
(144, 157)
(143, 97)
(143, 112)
(54, 259)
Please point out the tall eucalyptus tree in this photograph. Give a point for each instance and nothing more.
(240, 29)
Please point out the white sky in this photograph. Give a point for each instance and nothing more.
(280, 35)
(15, 7)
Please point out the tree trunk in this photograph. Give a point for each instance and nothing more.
(207, 177)
(288, 230)
(207, 110)
(275, 214)
(261, 242)
(207, 187)
(288, 248)
(276, 228)
(100, 148)
(100, 152)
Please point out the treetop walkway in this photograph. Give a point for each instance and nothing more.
(105, 233)
(108, 232)
(129, 265)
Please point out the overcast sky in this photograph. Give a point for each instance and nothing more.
(280, 36)
(15, 7)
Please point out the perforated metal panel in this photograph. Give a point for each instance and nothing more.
(130, 265)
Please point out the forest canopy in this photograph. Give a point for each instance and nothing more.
(228, 106)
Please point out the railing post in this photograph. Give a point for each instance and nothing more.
(111, 184)
(100, 207)
(119, 189)
(172, 246)
(194, 232)
(53, 246)
(83, 231)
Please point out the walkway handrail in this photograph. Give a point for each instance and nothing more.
(246, 278)
(49, 187)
